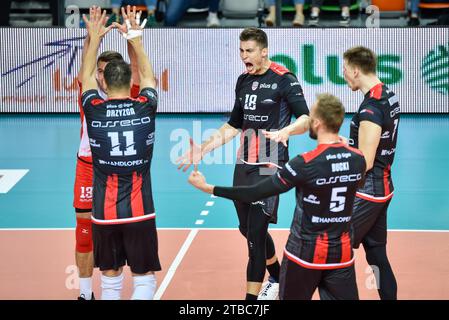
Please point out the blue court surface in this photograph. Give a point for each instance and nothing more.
(46, 145)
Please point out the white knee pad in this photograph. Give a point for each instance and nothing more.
(144, 287)
(111, 287)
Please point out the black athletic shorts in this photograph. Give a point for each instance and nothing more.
(245, 175)
(299, 283)
(134, 244)
(369, 223)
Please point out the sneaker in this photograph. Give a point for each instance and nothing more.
(270, 19)
(298, 21)
(413, 22)
(344, 20)
(81, 297)
(270, 291)
(212, 20)
(313, 21)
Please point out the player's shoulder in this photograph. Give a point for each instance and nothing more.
(378, 95)
(356, 152)
(149, 92)
(353, 155)
(91, 97)
(371, 105)
(146, 95)
(298, 159)
(242, 77)
(278, 69)
(295, 165)
(283, 76)
(315, 153)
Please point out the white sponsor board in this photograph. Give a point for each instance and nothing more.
(197, 68)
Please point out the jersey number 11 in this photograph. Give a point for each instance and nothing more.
(115, 144)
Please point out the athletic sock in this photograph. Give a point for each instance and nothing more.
(144, 287)
(86, 288)
(111, 287)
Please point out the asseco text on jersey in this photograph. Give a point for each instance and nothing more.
(120, 123)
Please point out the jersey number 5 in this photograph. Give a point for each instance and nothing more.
(115, 144)
(338, 201)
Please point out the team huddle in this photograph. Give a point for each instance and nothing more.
(343, 187)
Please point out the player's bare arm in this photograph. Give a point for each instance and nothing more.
(300, 126)
(369, 138)
(134, 68)
(132, 31)
(131, 53)
(196, 152)
(86, 41)
(95, 25)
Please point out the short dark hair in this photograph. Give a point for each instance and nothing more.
(255, 34)
(330, 110)
(117, 74)
(363, 58)
(108, 56)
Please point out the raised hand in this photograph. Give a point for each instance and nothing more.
(96, 23)
(131, 27)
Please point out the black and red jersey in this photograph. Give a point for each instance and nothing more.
(326, 180)
(121, 136)
(381, 107)
(265, 102)
(84, 152)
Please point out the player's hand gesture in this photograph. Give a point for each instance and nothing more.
(131, 27)
(197, 180)
(96, 23)
(277, 136)
(192, 156)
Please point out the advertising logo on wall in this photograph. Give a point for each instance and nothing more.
(197, 69)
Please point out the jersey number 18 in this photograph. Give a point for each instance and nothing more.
(250, 102)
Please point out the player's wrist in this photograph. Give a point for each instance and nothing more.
(134, 41)
(94, 39)
(208, 188)
(287, 131)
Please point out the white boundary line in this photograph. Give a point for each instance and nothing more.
(175, 264)
(10, 177)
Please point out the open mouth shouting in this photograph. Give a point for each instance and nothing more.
(249, 67)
